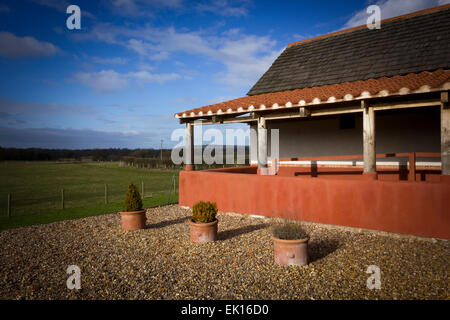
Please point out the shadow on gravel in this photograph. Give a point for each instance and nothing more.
(228, 234)
(321, 248)
(167, 223)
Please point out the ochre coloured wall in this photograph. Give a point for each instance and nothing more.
(418, 208)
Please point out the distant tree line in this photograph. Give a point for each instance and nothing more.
(138, 158)
(148, 163)
(112, 154)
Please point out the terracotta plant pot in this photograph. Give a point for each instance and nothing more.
(133, 220)
(290, 252)
(203, 232)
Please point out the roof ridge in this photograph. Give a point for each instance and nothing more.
(408, 15)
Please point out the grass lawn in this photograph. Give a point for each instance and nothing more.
(35, 189)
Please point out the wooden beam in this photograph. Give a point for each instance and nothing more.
(369, 147)
(225, 120)
(318, 110)
(329, 112)
(445, 134)
(402, 105)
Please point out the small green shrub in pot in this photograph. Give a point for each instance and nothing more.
(133, 217)
(290, 243)
(289, 230)
(204, 212)
(133, 200)
(203, 226)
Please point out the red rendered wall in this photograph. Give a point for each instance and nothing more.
(419, 208)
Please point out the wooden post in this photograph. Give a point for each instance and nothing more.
(262, 145)
(62, 198)
(189, 147)
(304, 112)
(9, 205)
(106, 193)
(142, 185)
(369, 138)
(445, 134)
(412, 166)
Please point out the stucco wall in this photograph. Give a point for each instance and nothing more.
(407, 130)
(419, 208)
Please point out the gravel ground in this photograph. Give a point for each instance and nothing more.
(160, 263)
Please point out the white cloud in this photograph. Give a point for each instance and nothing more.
(14, 108)
(27, 124)
(223, 8)
(116, 60)
(145, 76)
(105, 81)
(393, 8)
(109, 81)
(141, 7)
(16, 47)
(145, 66)
(61, 6)
(245, 57)
(221, 99)
(77, 138)
(137, 46)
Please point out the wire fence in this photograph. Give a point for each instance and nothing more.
(24, 202)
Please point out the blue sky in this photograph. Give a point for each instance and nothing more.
(119, 80)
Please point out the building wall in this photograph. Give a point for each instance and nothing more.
(419, 208)
(406, 130)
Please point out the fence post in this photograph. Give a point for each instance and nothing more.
(175, 185)
(106, 193)
(171, 187)
(142, 183)
(9, 205)
(62, 198)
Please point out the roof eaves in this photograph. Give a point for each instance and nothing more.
(348, 91)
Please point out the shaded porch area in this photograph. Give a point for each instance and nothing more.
(399, 192)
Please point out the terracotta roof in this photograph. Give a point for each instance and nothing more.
(381, 87)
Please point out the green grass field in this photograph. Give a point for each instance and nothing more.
(35, 189)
